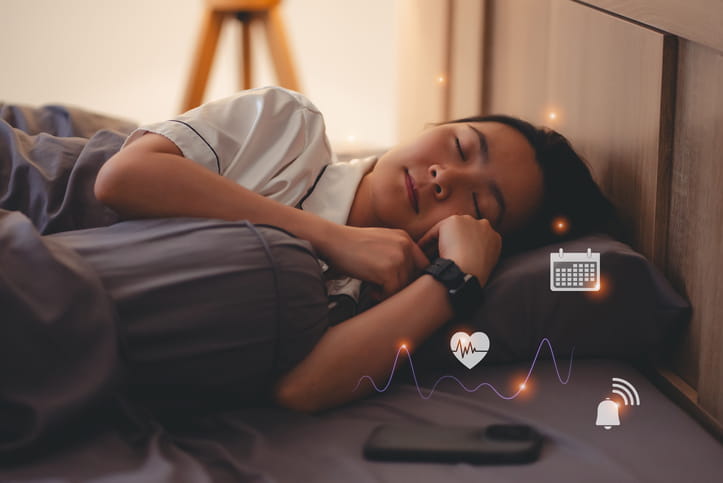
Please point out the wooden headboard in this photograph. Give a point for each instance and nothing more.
(645, 108)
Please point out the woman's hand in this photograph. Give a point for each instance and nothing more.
(472, 244)
(386, 257)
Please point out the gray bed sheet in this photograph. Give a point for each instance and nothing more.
(656, 441)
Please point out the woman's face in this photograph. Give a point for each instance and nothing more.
(483, 169)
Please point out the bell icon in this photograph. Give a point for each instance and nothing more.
(607, 414)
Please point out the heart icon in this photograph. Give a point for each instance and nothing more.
(469, 349)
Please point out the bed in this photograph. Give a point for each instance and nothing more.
(653, 442)
(570, 345)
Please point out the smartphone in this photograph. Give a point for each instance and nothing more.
(494, 444)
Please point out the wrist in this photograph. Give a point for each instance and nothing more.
(463, 263)
(324, 234)
(463, 289)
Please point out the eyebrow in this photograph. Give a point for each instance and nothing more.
(494, 187)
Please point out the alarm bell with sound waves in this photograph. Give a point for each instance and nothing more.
(607, 414)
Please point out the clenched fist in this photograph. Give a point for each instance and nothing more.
(386, 257)
(472, 244)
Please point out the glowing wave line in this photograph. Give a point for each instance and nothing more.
(461, 384)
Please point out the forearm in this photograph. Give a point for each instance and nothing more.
(364, 345)
(145, 185)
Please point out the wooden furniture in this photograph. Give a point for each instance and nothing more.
(268, 13)
(637, 85)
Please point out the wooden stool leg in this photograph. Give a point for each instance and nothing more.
(279, 48)
(245, 64)
(202, 61)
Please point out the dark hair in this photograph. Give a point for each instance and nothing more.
(570, 192)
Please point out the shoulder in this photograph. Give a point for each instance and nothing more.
(272, 99)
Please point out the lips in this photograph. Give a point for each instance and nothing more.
(411, 191)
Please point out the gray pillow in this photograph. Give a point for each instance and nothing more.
(635, 315)
(210, 311)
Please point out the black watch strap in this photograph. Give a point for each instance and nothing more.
(464, 290)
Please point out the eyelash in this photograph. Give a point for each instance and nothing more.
(459, 148)
(476, 206)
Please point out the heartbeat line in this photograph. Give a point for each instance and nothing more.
(466, 349)
(461, 384)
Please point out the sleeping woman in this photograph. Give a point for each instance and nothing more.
(425, 223)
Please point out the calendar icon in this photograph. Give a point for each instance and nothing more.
(575, 271)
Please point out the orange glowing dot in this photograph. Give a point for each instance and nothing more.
(404, 346)
(552, 116)
(522, 386)
(602, 289)
(440, 79)
(560, 225)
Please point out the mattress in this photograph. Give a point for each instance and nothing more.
(656, 441)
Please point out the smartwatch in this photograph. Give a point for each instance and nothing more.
(464, 290)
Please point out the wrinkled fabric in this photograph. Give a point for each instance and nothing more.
(59, 356)
(50, 158)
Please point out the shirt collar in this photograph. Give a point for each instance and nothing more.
(332, 195)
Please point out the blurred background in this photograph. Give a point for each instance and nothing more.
(379, 70)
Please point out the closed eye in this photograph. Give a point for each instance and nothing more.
(459, 149)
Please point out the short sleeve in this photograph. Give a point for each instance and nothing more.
(269, 140)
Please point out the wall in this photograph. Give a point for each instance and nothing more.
(695, 242)
(131, 58)
(646, 109)
(440, 62)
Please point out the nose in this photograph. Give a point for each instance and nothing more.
(443, 179)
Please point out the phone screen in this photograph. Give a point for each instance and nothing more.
(495, 444)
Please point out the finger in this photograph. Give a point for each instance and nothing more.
(428, 241)
(421, 260)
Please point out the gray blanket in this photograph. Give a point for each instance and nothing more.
(176, 316)
(58, 338)
(50, 158)
(59, 357)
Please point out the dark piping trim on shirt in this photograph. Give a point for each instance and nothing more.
(218, 162)
(311, 190)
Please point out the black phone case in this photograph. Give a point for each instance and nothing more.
(496, 444)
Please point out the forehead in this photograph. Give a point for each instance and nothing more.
(508, 143)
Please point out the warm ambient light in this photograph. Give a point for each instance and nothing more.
(552, 116)
(351, 138)
(441, 79)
